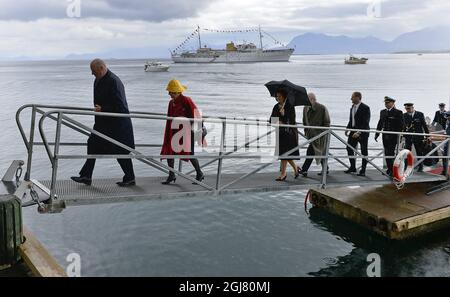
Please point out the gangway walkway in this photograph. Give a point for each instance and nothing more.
(106, 191)
(59, 193)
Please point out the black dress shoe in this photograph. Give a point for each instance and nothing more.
(297, 173)
(361, 173)
(350, 170)
(170, 179)
(82, 180)
(199, 177)
(300, 171)
(126, 183)
(281, 178)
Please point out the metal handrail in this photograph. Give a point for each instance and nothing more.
(219, 120)
(60, 115)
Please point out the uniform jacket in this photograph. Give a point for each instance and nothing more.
(416, 124)
(439, 118)
(390, 121)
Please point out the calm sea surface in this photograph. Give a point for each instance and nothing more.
(265, 234)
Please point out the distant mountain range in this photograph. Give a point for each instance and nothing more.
(434, 40)
(427, 40)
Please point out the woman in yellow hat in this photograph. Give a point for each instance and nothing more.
(180, 106)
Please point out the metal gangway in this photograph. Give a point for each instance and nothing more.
(53, 194)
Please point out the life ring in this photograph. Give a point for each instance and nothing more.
(399, 174)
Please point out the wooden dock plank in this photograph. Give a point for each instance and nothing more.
(38, 259)
(396, 214)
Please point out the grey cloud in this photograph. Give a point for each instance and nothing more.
(396, 7)
(153, 10)
(340, 10)
(388, 8)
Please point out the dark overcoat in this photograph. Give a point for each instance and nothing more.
(287, 137)
(109, 93)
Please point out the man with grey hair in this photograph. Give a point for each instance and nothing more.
(109, 96)
(315, 115)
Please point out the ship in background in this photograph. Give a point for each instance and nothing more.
(246, 52)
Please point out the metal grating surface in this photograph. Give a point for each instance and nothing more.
(106, 190)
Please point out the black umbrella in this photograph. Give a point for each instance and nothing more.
(296, 95)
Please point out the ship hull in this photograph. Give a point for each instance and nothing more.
(238, 57)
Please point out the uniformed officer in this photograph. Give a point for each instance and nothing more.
(415, 123)
(440, 120)
(391, 119)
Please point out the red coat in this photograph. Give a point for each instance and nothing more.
(186, 108)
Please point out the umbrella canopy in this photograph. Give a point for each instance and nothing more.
(296, 95)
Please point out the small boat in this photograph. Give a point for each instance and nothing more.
(352, 60)
(155, 67)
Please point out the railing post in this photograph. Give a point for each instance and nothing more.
(448, 158)
(55, 157)
(257, 134)
(325, 161)
(180, 165)
(30, 144)
(221, 153)
(247, 137)
(399, 139)
(235, 135)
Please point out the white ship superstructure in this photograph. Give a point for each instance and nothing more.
(240, 53)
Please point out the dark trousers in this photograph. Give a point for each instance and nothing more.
(390, 144)
(418, 145)
(125, 164)
(93, 147)
(445, 161)
(310, 152)
(363, 141)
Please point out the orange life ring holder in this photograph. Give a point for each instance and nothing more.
(399, 174)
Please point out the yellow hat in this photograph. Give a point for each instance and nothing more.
(175, 86)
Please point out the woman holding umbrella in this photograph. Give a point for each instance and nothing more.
(180, 106)
(284, 113)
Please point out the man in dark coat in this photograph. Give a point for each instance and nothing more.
(440, 120)
(415, 123)
(109, 96)
(359, 119)
(391, 119)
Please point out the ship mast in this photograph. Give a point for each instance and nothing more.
(199, 38)
(260, 37)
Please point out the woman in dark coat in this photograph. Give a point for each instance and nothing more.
(179, 136)
(287, 137)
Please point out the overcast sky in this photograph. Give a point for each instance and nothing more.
(52, 28)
